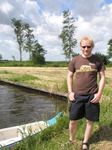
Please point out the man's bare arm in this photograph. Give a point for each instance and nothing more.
(70, 85)
(97, 96)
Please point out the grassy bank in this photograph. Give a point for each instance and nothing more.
(56, 137)
(52, 79)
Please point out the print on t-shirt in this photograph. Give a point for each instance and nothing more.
(86, 68)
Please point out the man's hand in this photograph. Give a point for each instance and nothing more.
(71, 96)
(96, 98)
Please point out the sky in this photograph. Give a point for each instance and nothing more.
(92, 17)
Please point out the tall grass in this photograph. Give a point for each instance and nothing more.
(20, 78)
(23, 78)
(61, 87)
(5, 72)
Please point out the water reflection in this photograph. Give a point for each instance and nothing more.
(18, 106)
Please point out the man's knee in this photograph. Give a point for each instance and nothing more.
(89, 122)
(73, 122)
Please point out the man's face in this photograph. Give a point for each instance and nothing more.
(86, 48)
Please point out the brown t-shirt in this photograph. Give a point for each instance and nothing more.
(86, 73)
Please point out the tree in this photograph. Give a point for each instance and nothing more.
(37, 55)
(13, 57)
(0, 57)
(19, 32)
(75, 54)
(29, 39)
(110, 48)
(104, 58)
(67, 34)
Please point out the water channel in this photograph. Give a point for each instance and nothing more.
(19, 106)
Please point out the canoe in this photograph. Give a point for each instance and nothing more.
(12, 135)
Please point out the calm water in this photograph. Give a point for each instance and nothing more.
(18, 106)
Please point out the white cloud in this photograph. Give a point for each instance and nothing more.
(5, 31)
(5, 7)
(7, 48)
(87, 9)
(31, 13)
(52, 6)
(89, 29)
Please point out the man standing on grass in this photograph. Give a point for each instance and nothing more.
(85, 95)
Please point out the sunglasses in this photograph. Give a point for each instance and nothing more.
(86, 46)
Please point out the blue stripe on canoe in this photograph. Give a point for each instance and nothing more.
(53, 120)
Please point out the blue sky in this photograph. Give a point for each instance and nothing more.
(94, 18)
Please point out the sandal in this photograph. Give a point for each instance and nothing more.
(70, 141)
(86, 145)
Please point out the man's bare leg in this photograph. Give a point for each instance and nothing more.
(72, 129)
(88, 130)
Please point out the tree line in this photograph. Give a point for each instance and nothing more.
(26, 40)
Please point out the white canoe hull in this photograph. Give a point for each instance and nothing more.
(12, 135)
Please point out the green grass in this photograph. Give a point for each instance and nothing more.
(20, 78)
(110, 64)
(8, 63)
(5, 72)
(107, 91)
(23, 78)
(61, 87)
(29, 64)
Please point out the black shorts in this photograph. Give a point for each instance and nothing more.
(83, 107)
